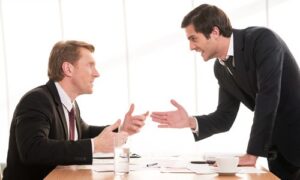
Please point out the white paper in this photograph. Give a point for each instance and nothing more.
(201, 168)
(173, 166)
(174, 170)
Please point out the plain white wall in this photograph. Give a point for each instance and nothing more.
(142, 55)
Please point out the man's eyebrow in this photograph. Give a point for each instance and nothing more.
(190, 37)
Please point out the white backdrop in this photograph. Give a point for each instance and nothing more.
(142, 55)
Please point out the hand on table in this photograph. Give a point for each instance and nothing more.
(247, 160)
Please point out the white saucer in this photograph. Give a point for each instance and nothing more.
(226, 173)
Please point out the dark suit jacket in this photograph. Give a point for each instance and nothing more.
(267, 81)
(39, 139)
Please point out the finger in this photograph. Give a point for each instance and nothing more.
(158, 114)
(120, 138)
(160, 121)
(161, 116)
(123, 134)
(115, 125)
(134, 129)
(139, 117)
(177, 105)
(146, 114)
(163, 126)
(138, 123)
(130, 111)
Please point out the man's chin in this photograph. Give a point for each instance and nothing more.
(89, 91)
(207, 58)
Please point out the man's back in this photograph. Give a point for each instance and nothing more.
(20, 167)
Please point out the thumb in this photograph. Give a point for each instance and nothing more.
(115, 125)
(178, 106)
(130, 111)
(146, 114)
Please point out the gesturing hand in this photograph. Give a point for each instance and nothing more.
(172, 119)
(104, 142)
(133, 124)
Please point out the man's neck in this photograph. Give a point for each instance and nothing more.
(223, 48)
(68, 88)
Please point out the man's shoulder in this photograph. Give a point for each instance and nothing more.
(254, 35)
(39, 93)
(251, 31)
(37, 90)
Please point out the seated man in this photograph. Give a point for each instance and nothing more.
(47, 129)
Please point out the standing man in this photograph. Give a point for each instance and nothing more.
(47, 129)
(255, 67)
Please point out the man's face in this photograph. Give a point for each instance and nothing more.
(199, 43)
(84, 73)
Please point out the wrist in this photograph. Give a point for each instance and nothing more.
(192, 122)
(93, 145)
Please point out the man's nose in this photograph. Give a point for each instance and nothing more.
(96, 73)
(192, 46)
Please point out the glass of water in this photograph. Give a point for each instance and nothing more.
(121, 155)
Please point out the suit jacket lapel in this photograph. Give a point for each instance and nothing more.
(77, 119)
(227, 81)
(52, 88)
(240, 76)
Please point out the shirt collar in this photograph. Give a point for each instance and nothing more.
(230, 49)
(64, 98)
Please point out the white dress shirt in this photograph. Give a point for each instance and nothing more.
(67, 106)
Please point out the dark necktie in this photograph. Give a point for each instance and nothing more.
(72, 124)
(229, 65)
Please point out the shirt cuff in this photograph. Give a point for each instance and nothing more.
(196, 130)
(93, 146)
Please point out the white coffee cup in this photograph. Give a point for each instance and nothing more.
(227, 164)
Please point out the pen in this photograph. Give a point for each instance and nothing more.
(203, 162)
(152, 164)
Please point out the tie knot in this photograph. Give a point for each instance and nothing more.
(228, 59)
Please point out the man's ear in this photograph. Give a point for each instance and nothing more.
(215, 32)
(67, 68)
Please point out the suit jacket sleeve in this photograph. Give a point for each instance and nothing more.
(222, 119)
